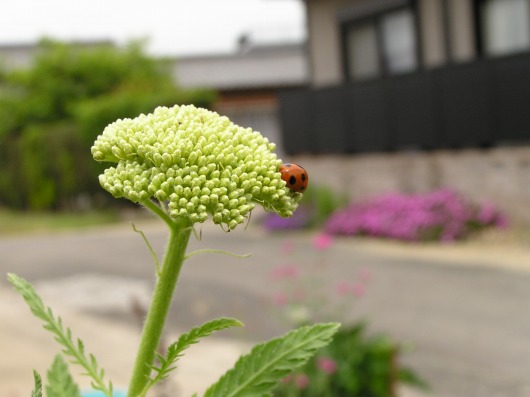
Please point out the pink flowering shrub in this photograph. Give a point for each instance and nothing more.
(354, 364)
(327, 365)
(442, 215)
(305, 292)
(322, 241)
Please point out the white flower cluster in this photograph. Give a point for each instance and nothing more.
(196, 160)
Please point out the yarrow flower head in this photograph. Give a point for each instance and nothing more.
(198, 162)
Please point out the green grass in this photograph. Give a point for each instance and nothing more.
(13, 222)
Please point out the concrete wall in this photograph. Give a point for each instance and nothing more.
(458, 40)
(324, 49)
(431, 30)
(461, 30)
(501, 175)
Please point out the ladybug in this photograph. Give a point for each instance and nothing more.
(295, 177)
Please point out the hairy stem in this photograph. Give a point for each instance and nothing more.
(160, 304)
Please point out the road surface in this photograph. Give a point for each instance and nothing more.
(465, 327)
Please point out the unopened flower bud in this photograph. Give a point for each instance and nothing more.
(198, 161)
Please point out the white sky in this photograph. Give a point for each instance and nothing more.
(173, 27)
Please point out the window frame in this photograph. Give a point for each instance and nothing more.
(480, 32)
(375, 20)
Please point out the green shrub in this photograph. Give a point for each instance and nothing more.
(51, 168)
(352, 365)
(322, 202)
(51, 113)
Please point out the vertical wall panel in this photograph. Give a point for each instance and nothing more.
(296, 122)
(466, 105)
(412, 112)
(330, 121)
(479, 103)
(367, 118)
(512, 98)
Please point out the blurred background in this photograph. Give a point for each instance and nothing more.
(411, 118)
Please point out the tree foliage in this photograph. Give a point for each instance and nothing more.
(51, 113)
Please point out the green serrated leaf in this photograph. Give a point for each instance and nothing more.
(176, 349)
(75, 351)
(257, 374)
(60, 382)
(33, 300)
(37, 390)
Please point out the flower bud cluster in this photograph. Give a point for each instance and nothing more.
(197, 161)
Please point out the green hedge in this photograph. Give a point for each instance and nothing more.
(51, 113)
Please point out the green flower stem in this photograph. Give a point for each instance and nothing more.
(180, 231)
(159, 212)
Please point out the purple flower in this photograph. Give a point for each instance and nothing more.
(442, 215)
(299, 220)
(322, 241)
(327, 365)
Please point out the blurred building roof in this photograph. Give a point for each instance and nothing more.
(15, 56)
(252, 66)
(20, 55)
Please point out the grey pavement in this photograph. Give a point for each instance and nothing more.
(460, 313)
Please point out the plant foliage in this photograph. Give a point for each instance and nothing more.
(352, 365)
(256, 374)
(176, 350)
(37, 390)
(51, 113)
(74, 350)
(60, 382)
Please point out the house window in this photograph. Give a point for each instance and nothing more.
(363, 58)
(384, 44)
(505, 26)
(398, 41)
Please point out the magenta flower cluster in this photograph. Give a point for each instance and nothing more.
(443, 215)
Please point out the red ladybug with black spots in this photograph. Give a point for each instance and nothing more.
(295, 176)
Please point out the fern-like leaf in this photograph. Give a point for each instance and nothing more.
(60, 382)
(176, 349)
(74, 350)
(257, 374)
(37, 389)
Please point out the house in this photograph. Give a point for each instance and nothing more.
(248, 80)
(401, 74)
(414, 95)
(15, 56)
